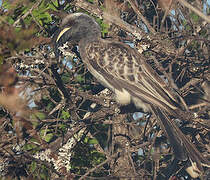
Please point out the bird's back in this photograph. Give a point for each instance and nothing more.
(123, 70)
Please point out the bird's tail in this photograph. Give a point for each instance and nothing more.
(182, 147)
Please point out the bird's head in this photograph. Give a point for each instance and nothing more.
(74, 28)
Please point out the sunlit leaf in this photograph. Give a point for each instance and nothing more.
(46, 135)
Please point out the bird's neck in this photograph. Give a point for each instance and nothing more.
(92, 35)
(88, 39)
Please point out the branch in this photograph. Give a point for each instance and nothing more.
(151, 29)
(98, 166)
(155, 38)
(199, 13)
(28, 12)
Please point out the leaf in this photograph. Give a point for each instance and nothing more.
(46, 135)
(38, 115)
(104, 26)
(91, 1)
(53, 7)
(80, 78)
(194, 17)
(10, 20)
(93, 141)
(65, 115)
(33, 166)
(29, 146)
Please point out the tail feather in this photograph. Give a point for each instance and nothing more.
(182, 147)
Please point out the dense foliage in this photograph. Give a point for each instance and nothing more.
(57, 121)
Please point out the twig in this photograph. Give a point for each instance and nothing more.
(141, 16)
(98, 166)
(28, 12)
(162, 43)
(110, 18)
(199, 13)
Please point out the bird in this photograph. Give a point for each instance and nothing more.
(124, 71)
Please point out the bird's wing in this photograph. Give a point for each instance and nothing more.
(121, 68)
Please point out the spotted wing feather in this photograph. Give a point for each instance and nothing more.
(122, 68)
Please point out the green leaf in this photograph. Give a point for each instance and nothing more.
(44, 173)
(65, 115)
(29, 146)
(188, 27)
(10, 20)
(33, 166)
(63, 127)
(104, 26)
(86, 139)
(65, 77)
(93, 141)
(46, 135)
(53, 7)
(91, 1)
(1, 59)
(39, 115)
(80, 79)
(6, 4)
(194, 17)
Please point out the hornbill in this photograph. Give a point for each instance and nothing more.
(125, 71)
